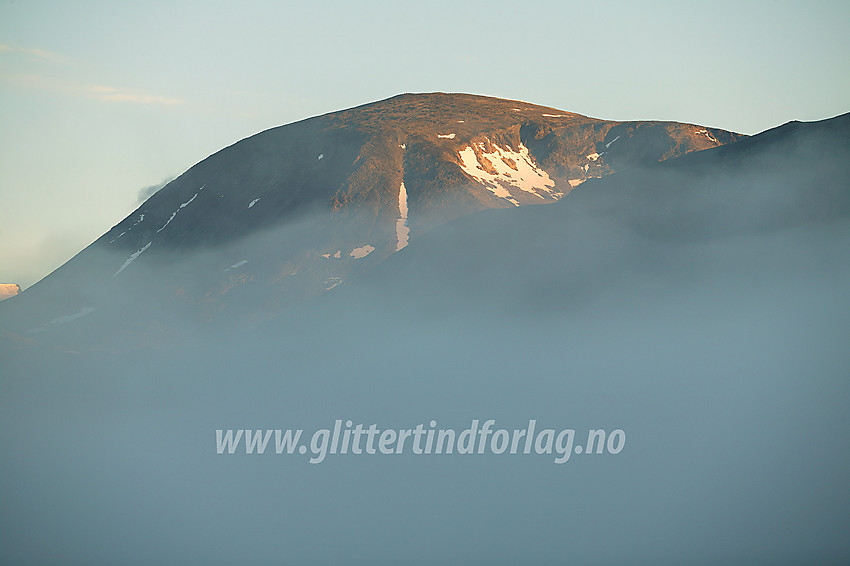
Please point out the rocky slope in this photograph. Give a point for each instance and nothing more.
(298, 210)
(758, 213)
(9, 290)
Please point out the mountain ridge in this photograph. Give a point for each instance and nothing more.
(770, 208)
(299, 209)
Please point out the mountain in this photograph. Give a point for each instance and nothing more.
(779, 199)
(699, 305)
(297, 210)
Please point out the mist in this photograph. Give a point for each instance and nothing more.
(146, 192)
(701, 309)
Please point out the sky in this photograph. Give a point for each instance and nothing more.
(102, 101)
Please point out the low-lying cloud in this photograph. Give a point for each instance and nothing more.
(146, 192)
(719, 346)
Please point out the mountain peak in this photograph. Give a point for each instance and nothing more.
(465, 115)
(299, 209)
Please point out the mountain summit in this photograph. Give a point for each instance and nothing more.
(438, 156)
(297, 210)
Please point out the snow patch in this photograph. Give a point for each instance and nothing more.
(447, 136)
(132, 258)
(402, 201)
(595, 156)
(575, 182)
(461, 121)
(607, 145)
(253, 202)
(236, 265)
(118, 236)
(513, 170)
(362, 251)
(708, 135)
(167, 222)
(321, 156)
(402, 146)
(402, 231)
(173, 214)
(555, 115)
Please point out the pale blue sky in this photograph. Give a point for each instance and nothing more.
(100, 99)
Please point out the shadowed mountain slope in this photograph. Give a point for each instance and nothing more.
(300, 209)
